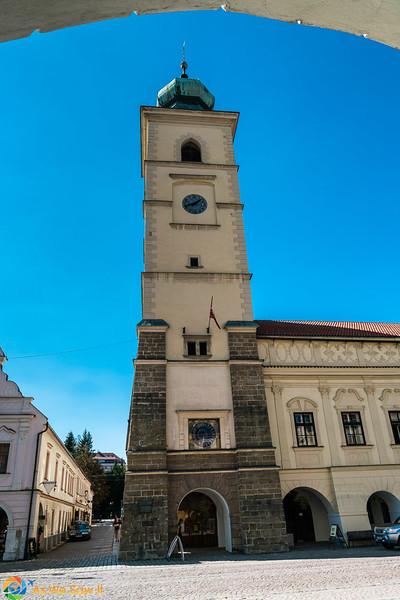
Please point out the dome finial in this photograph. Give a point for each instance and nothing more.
(184, 64)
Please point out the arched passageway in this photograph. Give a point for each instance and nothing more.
(3, 531)
(205, 519)
(383, 508)
(308, 516)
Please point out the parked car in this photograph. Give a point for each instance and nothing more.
(388, 535)
(80, 530)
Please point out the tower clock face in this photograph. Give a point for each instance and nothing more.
(203, 434)
(194, 204)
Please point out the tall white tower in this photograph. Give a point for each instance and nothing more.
(199, 445)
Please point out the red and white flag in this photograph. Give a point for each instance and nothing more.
(212, 315)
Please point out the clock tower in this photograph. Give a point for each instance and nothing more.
(199, 448)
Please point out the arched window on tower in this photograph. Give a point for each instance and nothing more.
(191, 152)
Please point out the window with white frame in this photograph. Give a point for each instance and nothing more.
(193, 262)
(205, 429)
(197, 346)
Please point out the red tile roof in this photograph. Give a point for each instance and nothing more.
(328, 329)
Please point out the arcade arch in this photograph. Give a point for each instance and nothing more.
(205, 516)
(309, 515)
(383, 508)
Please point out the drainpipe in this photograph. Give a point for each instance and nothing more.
(33, 489)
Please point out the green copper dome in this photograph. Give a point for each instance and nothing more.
(184, 92)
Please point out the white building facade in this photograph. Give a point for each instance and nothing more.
(42, 490)
(333, 397)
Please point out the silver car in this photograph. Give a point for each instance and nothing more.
(388, 535)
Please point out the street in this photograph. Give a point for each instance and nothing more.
(91, 568)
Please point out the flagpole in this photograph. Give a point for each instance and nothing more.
(209, 314)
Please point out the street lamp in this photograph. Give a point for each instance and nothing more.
(49, 486)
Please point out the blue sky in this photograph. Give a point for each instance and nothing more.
(318, 147)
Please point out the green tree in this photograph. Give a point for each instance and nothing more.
(108, 488)
(85, 443)
(70, 443)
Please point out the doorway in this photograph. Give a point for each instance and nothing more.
(299, 517)
(198, 515)
(309, 516)
(3, 531)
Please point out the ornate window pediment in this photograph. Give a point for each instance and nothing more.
(347, 398)
(390, 398)
(302, 404)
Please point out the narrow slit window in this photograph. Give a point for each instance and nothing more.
(191, 348)
(395, 423)
(203, 350)
(46, 468)
(4, 452)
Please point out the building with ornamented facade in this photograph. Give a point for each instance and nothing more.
(42, 489)
(247, 435)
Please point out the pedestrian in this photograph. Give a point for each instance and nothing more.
(180, 528)
(117, 526)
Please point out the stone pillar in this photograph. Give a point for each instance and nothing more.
(145, 524)
(376, 415)
(262, 521)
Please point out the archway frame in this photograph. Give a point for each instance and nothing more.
(392, 502)
(332, 514)
(9, 514)
(377, 21)
(224, 529)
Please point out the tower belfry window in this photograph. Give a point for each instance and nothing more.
(190, 152)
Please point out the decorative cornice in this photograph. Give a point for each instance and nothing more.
(153, 324)
(241, 326)
(203, 275)
(202, 166)
(329, 353)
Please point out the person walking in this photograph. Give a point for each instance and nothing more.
(117, 527)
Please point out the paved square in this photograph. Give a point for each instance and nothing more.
(320, 574)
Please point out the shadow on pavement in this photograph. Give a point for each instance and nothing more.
(110, 559)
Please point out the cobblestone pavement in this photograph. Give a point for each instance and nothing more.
(91, 569)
